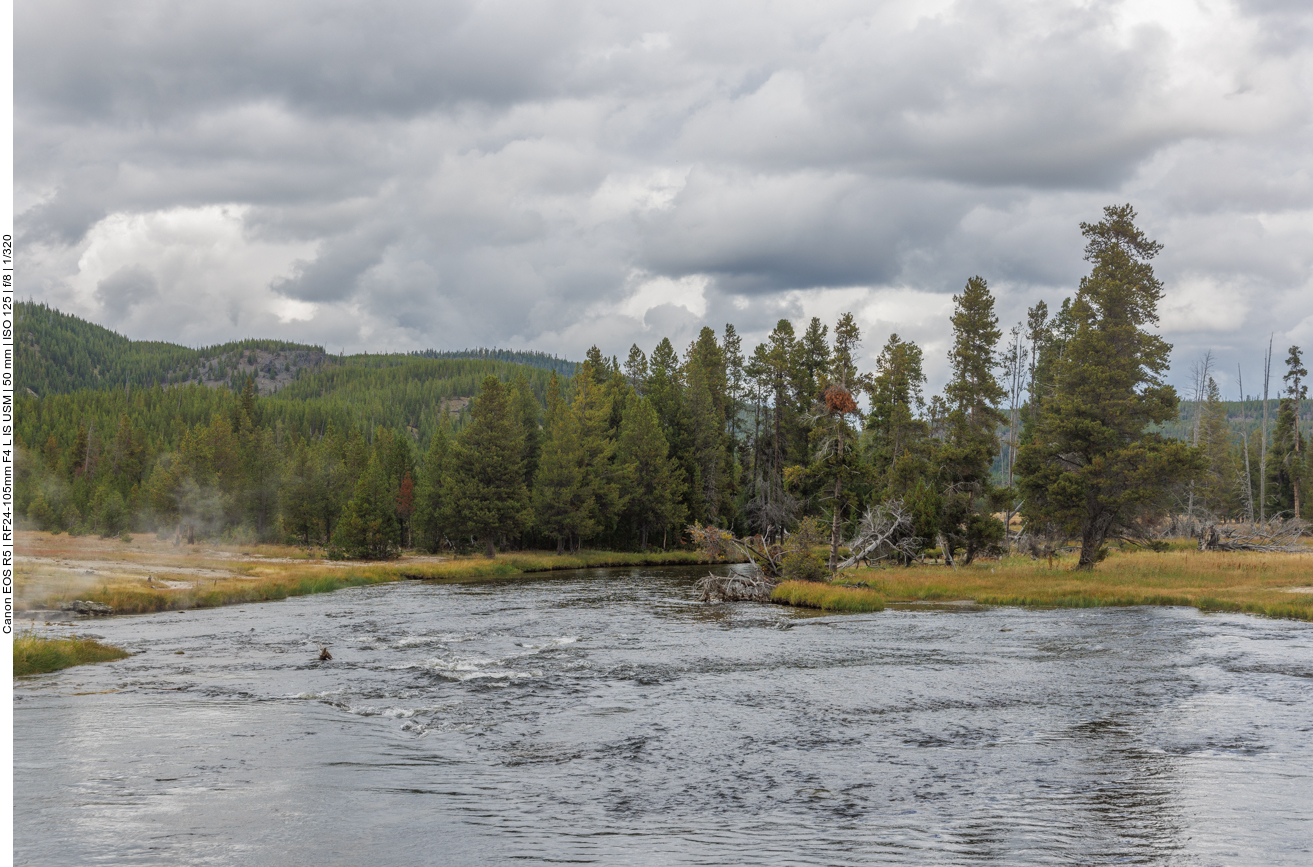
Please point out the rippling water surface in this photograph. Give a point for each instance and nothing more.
(608, 717)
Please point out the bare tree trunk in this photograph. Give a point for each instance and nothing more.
(1200, 370)
(491, 551)
(834, 527)
(1244, 434)
(945, 550)
(1262, 455)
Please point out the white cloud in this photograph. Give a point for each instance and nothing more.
(168, 275)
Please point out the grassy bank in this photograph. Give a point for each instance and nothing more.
(531, 562)
(34, 654)
(1265, 584)
(148, 575)
(827, 597)
(129, 599)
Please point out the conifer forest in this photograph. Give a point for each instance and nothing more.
(1060, 427)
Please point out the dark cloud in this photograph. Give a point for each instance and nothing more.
(124, 289)
(408, 174)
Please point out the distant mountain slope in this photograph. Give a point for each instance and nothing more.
(56, 353)
(75, 369)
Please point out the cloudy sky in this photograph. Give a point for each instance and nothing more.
(396, 175)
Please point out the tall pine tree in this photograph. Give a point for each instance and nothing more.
(1093, 469)
(485, 491)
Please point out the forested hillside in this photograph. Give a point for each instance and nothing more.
(529, 359)
(56, 353)
(1061, 419)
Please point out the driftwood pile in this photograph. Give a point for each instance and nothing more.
(736, 587)
(1278, 536)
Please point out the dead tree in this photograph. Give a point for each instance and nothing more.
(1262, 455)
(1278, 535)
(884, 531)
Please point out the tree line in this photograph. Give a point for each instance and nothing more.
(628, 453)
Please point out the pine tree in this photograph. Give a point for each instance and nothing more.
(297, 496)
(428, 519)
(368, 528)
(652, 476)
(526, 406)
(835, 437)
(1092, 468)
(1218, 488)
(771, 509)
(485, 491)
(591, 406)
(665, 385)
(732, 349)
(709, 458)
(811, 364)
(971, 441)
(636, 369)
(897, 399)
(560, 497)
(1287, 441)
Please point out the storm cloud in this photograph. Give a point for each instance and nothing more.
(401, 175)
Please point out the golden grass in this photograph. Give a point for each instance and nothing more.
(35, 654)
(826, 597)
(148, 575)
(1244, 582)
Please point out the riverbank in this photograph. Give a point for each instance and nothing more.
(1272, 585)
(38, 654)
(147, 574)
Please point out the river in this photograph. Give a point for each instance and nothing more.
(608, 717)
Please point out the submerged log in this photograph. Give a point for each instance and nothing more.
(324, 655)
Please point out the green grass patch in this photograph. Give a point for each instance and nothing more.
(827, 597)
(34, 654)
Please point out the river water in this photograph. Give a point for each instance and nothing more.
(608, 717)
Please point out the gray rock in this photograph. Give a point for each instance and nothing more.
(82, 606)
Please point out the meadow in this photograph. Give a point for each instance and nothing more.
(1271, 585)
